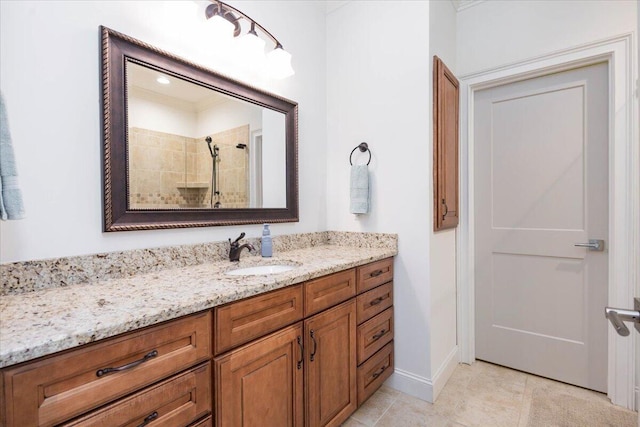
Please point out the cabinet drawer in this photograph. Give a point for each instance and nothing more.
(374, 301)
(374, 334)
(242, 321)
(58, 388)
(179, 400)
(373, 372)
(374, 274)
(207, 422)
(328, 291)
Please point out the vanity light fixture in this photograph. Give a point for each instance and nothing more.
(226, 25)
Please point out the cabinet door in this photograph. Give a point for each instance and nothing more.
(260, 384)
(330, 346)
(445, 146)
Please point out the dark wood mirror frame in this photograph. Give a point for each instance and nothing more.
(117, 49)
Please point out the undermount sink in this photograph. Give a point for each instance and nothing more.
(260, 269)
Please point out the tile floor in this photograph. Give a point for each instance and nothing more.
(478, 395)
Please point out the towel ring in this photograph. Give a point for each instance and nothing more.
(363, 147)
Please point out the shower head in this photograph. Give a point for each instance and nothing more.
(208, 139)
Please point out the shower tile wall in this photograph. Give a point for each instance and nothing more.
(233, 166)
(156, 165)
(173, 171)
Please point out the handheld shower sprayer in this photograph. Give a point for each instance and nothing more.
(208, 139)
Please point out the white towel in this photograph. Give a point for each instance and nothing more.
(11, 206)
(359, 189)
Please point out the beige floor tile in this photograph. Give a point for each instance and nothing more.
(408, 411)
(354, 423)
(374, 407)
(482, 413)
(476, 395)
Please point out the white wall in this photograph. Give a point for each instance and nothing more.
(273, 159)
(145, 113)
(496, 33)
(444, 356)
(50, 78)
(378, 89)
(228, 115)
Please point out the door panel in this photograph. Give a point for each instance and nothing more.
(541, 185)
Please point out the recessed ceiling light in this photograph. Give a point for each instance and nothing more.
(163, 80)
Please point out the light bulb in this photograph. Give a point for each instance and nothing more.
(279, 63)
(251, 51)
(221, 29)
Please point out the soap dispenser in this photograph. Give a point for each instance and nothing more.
(266, 247)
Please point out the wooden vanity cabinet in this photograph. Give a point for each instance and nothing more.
(304, 355)
(308, 373)
(56, 389)
(375, 326)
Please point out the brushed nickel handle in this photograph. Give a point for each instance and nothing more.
(105, 371)
(149, 418)
(315, 345)
(593, 245)
(301, 352)
(376, 273)
(379, 335)
(617, 316)
(446, 209)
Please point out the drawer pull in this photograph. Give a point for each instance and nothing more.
(376, 273)
(315, 345)
(301, 352)
(377, 300)
(148, 356)
(379, 372)
(149, 418)
(379, 335)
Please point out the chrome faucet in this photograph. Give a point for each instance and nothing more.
(235, 248)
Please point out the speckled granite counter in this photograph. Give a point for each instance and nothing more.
(42, 322)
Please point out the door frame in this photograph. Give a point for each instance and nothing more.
(624, 194)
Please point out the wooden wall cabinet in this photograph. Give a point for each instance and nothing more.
(445, 146)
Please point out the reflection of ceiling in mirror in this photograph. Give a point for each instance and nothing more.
(142, 81)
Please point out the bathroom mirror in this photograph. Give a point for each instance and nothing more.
(184, 146)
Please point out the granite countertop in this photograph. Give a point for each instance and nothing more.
(43, 322)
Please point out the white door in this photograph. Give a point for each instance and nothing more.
(541, 186)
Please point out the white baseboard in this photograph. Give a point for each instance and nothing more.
(411, 384)
(445, 371)
(424, 388)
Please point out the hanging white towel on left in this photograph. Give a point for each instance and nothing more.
(11, 206)
(359, 194)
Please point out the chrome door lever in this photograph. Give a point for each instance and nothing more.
(593, 245)
(617, 316)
